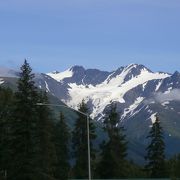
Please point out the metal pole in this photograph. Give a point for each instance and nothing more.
(5, 174)
(89, 151)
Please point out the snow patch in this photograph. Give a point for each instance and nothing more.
(153, 118)
(83, 81)
(129, 111)
(149, 111)
(47, 87)
(165, 103)
(168, 90)
(60, 76)
(1, 81)
(144, 85)
(158, 86)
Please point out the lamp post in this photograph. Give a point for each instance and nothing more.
(88, 136)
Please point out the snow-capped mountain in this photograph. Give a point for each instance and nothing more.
(138, 92)
(100, 88)
(132, 87)
(80, 76)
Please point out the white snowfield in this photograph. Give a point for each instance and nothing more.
(131, 109)
(60, 76)
(1, 81)
(110, 90)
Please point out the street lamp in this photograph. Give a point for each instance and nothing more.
(88, 137)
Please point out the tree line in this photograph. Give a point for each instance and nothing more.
(35, 146)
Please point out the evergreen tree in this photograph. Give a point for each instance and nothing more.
(24, 128)
(112, 163)
(155, 152)
(135, 171)
(62, 137)
(80, 144)
(6, 106)
(46, 153)
(174, 166)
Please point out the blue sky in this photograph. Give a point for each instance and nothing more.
(104, 34)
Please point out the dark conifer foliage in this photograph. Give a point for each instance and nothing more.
(174, 167)
(62, 144)
(6, 107)
(112, 163)
(24, 128)
(80, 144)
(32, 151)
(155, 152)
(46, 152)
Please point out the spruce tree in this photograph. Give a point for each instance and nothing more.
(6, 106)
(174, 167)
(62, 143)
(155, 152)
(46, 152)
(80, 144)
(112, 162)
(24, 128)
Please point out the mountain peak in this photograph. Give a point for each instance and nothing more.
(55, 72)
(77, 68)
(131, 71)
(138, 67)
(176, 75)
